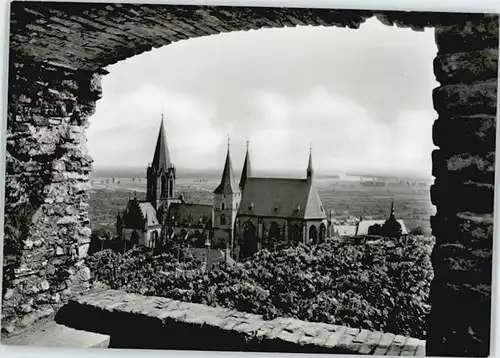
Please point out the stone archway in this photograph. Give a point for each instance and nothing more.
(54, 82)
(250, 240)
(295, 234)
(312, 235)
(273, 235)
(134, 239)
(155, 239)
(322, 233)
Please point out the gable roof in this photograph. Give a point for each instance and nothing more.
(227, 184)
(186, 214)
(314, 208)
(149, 213)
(364, 225)
(161, 156)
(139, 213)
(279, 197)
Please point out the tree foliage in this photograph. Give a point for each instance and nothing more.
(380, 286)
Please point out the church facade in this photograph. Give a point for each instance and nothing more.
(256, 213)
(278, 212)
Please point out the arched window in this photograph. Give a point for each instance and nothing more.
(223, 206)
(163, 190)
(250, 241)
(155, 239)
(274, 234)
(223, 219)
(313, 235)
(322, 232)
(170, 188)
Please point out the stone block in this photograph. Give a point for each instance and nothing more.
(464, 167)
(451, 197)
(371, 343)
(384, 344)
(473, 134)
(346, 340)
(466, 67)
(474, 231)
(466, 99)
(473, 34)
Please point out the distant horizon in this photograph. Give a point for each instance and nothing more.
(120, 169)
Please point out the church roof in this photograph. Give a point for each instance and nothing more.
(149, 213)
(161, 157)
(227, 184)
(186, 214)
(364, 225)
(138, 212)
(277, 197)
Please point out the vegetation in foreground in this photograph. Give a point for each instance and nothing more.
(383, 285)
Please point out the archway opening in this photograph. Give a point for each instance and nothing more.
(250, 241)
(313, 235)
(444, 103)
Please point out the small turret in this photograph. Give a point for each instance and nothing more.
(392, 216)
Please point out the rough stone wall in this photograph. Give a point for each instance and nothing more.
(47, 167)
(47, 231)
(464, 168)
(94, 35)
(136, 321)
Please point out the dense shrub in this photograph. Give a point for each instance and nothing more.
(383, 285)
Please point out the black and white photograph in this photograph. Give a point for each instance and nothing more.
(249, 178)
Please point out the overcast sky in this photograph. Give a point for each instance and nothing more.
(362, 98)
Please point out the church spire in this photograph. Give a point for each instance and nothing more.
(310, 170)
(392, 211)
(247, 169)
(227, 184)
(161, 157)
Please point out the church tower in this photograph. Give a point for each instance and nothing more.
(226, 202)
(247, 170)
(161, 174)
(310, 170)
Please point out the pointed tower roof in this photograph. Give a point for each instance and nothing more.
(392, 211)
(227, 184)
(247, 169)
(161, 157)
(310, 169)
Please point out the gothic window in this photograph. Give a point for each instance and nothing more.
(313, 235)
(155, 239)
(222, 206)
(222, 220)
(163, 186)
(322, 232)
(171, 188)
(274, 234)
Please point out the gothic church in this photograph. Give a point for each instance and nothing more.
(256, 213)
